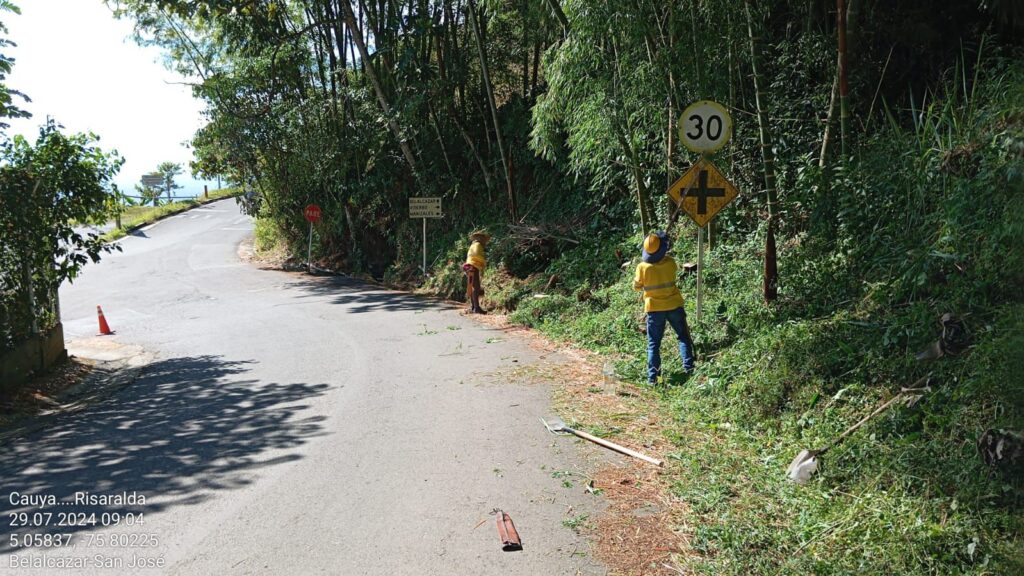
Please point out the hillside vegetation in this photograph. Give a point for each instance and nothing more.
(863, 288)
(894, 193)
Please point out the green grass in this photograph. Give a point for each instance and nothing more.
(863, 282)
(424, 331)
(575, 523)
(905, 495)
(267, 237)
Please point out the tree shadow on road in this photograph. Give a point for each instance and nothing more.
(361, 297)
(187, 428)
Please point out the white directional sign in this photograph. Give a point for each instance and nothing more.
(153, 180)
(705, 126)
(425, 208)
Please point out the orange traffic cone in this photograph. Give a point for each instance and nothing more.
(104, 327)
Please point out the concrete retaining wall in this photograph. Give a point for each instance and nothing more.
(30, 358)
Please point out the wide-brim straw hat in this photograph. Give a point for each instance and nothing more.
(480, 236)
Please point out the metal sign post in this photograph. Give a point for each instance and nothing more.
(312, 214)
(425, 208)
(700, 246)
(700, 273)
(702, 191)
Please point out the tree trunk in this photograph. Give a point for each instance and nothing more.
(771, 267)
(446, 48)
(488, 181)
(844, 88)
(771, 278)
(494, 109)
(669, 145)
(826, 136)
(670, 139)
(556, 7)
(697, 45)
(536, 66)
(353, 237)
(440, 139)
(622, 134)
(826, 139)
(525, 47)
(643, 198)
(357, 37)
(30, 294)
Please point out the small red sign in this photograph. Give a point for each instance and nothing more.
(312, 213)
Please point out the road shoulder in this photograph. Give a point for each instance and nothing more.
(96, 369)
(635, 533)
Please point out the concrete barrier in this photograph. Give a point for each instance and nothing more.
(30, 358)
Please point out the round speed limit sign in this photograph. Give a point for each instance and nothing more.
(705, 126)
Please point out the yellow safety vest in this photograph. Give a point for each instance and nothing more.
(658, 283)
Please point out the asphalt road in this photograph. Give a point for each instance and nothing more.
(289, 424)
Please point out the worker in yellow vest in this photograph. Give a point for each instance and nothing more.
(656, 279)
(476, 262)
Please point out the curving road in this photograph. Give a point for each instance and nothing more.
(288, 424)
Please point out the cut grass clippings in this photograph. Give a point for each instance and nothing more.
(635, 534)
(722, 503)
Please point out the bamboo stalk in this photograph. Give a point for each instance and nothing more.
(357, 37)
(844, 88)
(771, 278)
(494, 109)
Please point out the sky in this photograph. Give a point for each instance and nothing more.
(79, 66)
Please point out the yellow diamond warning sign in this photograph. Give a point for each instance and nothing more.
(703, 191)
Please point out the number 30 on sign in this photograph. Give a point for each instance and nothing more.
(705, 126)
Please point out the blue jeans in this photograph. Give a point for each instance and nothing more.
(656, 331)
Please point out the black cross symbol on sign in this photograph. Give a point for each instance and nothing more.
(703, 192)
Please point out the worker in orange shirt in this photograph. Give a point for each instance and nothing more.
(656, 279)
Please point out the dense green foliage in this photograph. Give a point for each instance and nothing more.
(554, 124)
(44, 187)
(9, 97)
(862, 293)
